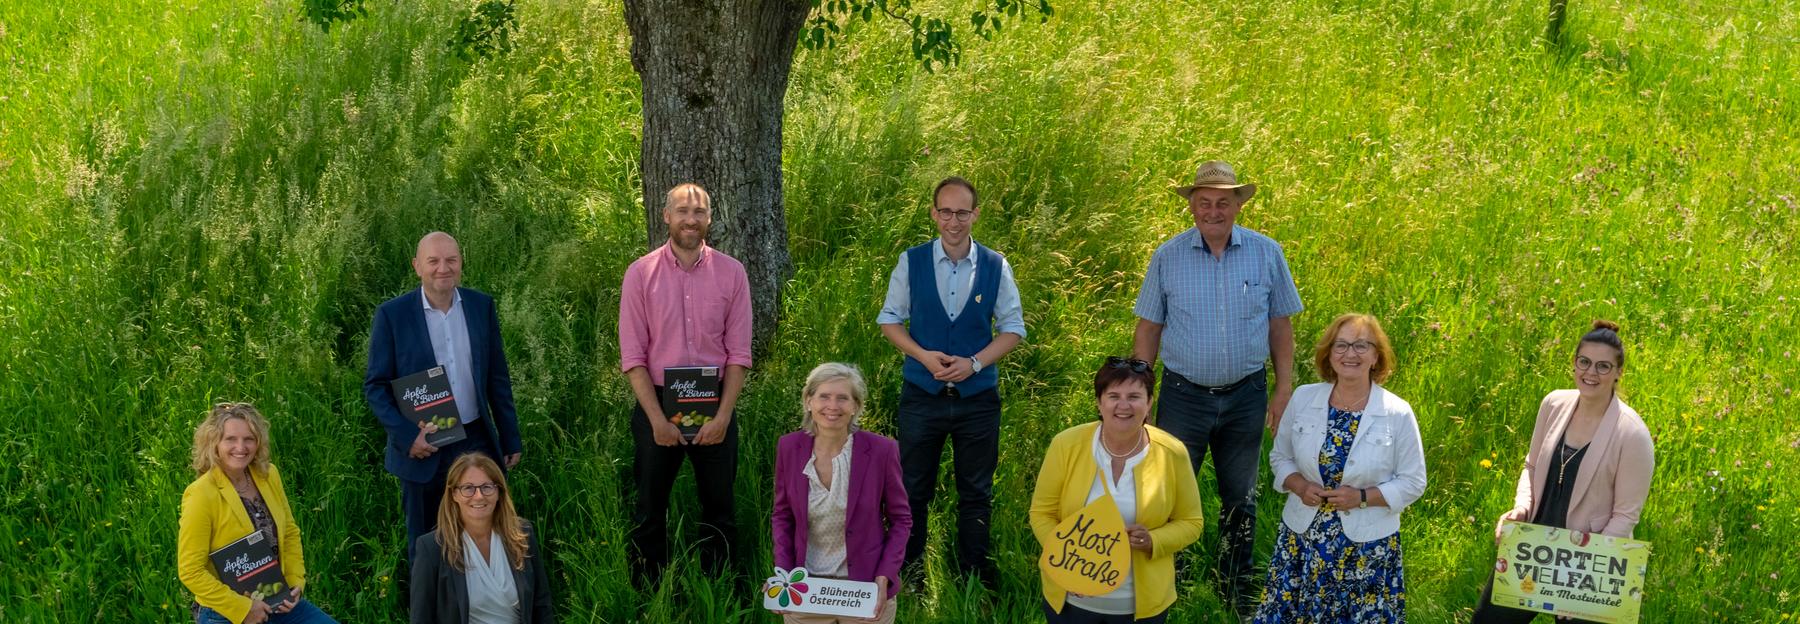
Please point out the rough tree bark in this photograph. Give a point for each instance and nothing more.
(1559, 13)
(715, 74)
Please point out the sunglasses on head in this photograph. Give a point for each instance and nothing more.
(1136, 365)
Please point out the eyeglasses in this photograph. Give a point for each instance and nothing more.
(1361, 347)
(962, 216)
(1603, 367)
(1136, 365)
(468, 491)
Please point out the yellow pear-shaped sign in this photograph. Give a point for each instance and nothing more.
(1088, 554)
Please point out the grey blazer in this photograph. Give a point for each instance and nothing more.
(440, 593)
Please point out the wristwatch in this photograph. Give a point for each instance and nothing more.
(1365, 498)
(974, 364)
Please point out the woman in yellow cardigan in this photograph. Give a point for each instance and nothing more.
(1146, 471)
(238, 491)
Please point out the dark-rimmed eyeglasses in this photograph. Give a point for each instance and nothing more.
(468, 491)
(1136, 365)
(1602, 367)
(959, 215)
(1361, 347)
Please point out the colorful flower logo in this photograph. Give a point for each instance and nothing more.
(788, 589)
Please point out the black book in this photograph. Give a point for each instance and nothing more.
(424, 396)
(249, 567)
(690, 397)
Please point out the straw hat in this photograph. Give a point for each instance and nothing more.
(1217, 174)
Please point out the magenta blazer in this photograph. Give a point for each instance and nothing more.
(877, 519)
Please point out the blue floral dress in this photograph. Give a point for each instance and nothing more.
(1323, 576)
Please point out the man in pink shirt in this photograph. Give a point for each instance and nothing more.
(684, 304)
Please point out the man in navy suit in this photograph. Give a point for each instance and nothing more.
(440, 324)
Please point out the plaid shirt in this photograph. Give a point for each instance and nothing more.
(1215, 312)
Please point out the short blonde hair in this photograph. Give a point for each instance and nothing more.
(212, 429)
(827, 373)
(1384, 351)
(688, 190)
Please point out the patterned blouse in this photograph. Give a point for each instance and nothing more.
(826, 550)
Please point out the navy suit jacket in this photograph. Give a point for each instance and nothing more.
(400, 345)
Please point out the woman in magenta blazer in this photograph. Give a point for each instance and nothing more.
(840, 508)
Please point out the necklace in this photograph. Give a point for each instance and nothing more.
(1567, 457)
(1142, 439)
(1347, 406)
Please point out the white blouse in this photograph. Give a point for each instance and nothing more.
(1121, 601)
(826, 550)
(493, 596)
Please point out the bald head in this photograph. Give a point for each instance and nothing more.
(438, 262)
(435, 241)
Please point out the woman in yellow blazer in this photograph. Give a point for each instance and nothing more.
(1590, 461)
(1146, 471)
(238, 491)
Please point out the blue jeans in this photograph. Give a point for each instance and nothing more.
(303, 613)
(1230, 425)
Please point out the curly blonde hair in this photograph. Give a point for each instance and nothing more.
(212, 429)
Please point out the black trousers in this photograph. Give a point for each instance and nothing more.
(1488, 613)
(1230, 426)
(972, 426)
(1072, 614)
(655, 468)
(421, 500)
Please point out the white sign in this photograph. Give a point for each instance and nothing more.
(798, 591)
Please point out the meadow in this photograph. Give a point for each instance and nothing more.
(206, 201)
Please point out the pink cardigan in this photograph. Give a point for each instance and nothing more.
(877, 521)
(1614, 479)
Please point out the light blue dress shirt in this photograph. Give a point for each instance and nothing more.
(450, 343)
(954, 281)
(1215, 312)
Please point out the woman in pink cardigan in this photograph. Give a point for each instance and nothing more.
(840, 507)
(1590, 460)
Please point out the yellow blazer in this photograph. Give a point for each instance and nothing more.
(213, 516)
(1168, 503)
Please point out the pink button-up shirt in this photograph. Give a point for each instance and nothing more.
(670, 316)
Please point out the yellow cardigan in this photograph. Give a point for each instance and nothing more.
(213, 516)
(1168, 503)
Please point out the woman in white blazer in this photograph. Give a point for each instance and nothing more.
(1348, 455)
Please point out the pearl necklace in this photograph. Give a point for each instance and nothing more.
(1142, 440)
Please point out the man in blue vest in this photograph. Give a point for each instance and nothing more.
(440, 324)
(953, 309)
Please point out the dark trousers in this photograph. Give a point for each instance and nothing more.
(655, 468)
(1072, 614)
(1488, 613)
(972, 424)
(1230, 425)
(421, 500)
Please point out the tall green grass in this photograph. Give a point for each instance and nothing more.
(205, 202)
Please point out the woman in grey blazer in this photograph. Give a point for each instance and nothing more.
(483, 564)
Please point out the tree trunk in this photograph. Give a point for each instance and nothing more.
(715, 74)
(1559, 12)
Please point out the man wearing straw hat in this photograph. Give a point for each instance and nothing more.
(1215, 305)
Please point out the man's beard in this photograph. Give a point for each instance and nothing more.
(689, 240)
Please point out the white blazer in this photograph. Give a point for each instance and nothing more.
(1386, 454)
